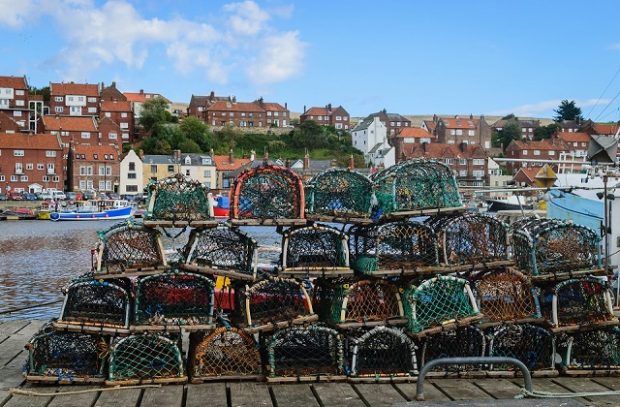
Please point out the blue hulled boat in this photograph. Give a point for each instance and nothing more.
(102, 210)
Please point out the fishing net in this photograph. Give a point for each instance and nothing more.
(416, 184)
(267, 192)
(96, 301)
(437, 301)
(66, 356)
(178, 198)
(314, 247)
(532, 345)
(174, 298)
(592, 350)
(308, 351)
(127, 246)
(382, 351)
(140, 357)
(470, 238)
(505, 295)
(223, 352)
(339, 192)
(402, 245)
(543, 246)
(462, 342)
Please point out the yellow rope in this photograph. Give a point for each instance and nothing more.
(22, 392)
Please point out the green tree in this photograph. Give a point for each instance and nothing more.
(188, 146)
(154, 112)
(545, 132)
(45, 91)
(503, 137)
(567, 111)
(196, 130)
(154, 145)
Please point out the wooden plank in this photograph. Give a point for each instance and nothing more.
(574, 384)
(493, 403)
(200, 395)
(431, 392)
(249, 394)
(74, 400)
(461, 389)
(379, 394)
(122, 398)
(337, 394)
(294, 395)
(165, 396)
(548, 385)
(612, 383)
(499, 388)
(9, 327)
(30, 401)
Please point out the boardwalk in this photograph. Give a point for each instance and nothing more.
(14, 334)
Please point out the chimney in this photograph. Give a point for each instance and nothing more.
(435, 118)
(142, 91)
(113, 85)
(471, 116)
(351, 162)
(252, 155)
(212, 95)
(304, 108)
(285, 106)
(306, 161)
(231, 158)
(141, 154)
(177, 155)
(329, 108)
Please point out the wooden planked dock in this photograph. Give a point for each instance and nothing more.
(14, 334)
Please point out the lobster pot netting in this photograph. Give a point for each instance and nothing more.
(223, 352)
(221, 248)
(267, 192)
(382, 351)
(178, 198)
(309, 351)
(532, 345)
(66, 355)
(339, 192)
(461, 342)
(96, 301)
(139, 357)
(470, 238)
(438, 300)
(127, 246)
(314, 247)
(416, 184)
(174, 298)
(592, 350)
(543, 246)
(402, 245)
(505, 295)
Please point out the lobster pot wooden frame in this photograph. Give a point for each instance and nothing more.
(393, 247)
(470, 238)
(592, 352)
(174, 298)
(179, 201)
(272, 303)
(129, 247)
(545, 247)
(267, 193)
(66, 357)
(224, 250)
(412, 185)
(225, 353)
(339, 193)
(461, 342)
(315, 249)
(145, 358)
(531, 344)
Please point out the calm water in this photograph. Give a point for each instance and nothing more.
(38, 258)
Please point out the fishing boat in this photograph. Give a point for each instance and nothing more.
(94, 210)
(509, 202)
(221, 207)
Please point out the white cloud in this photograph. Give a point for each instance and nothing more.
(14, 13)
(281, 58)
(547, 107)
(246, 18)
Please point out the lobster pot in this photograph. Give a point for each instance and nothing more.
(99, 302)
(223, 353)
(145, 358)
(308, 351)
(394, 246)
(314, 248)
(592, 350)
(382, 351)
(543, 247)
(66, 357)
(506, 295)
(470, 238)
(532, 345)
(269, 303)
(178, 199)
(267, 192)
(416, 184)
(439, 300)
(177, 298)
(339, 193)
(575, 302)
(129, 247)
(223, 250)
(353, 303)
(462, 342)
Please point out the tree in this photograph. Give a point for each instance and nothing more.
(154, 112)
(545, 132)
(196, 130)
(154, 145)
(567, 111)
(503, 137)
(45, 91)
(188, 146)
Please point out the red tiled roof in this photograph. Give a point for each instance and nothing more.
(528, 172)
(35, 98)
(537, 145)
(441, 150)
(603, 128)
(7, 123)
(235, 107)
(316, 111)
(574, 137)
(141, 96)
(461, 123)
(222, 163)
(115, 106)
(430, 125)
(29, 141)
(273, 107)
(15, 82)
(69, 123)
(85, 89)
(90, 151)
(413, 132)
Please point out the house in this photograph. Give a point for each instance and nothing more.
(410, 135)
(497, 178)
(392, 121)
(14, 99)
(37, 109)
(198, 104)
(228, 168)
(327, 116)
(570, 126)
(600, 129)
(131, 174)
(111, 93)
(30, 162)
(137, 100)
(199, 167)
(74, 99)
(430, 125)
(156, 167)
(370, 137)
(93, 168)
(7, 124)
(76, 130)
(457, 130)
(236, 114)
(526, 126)
(533, 150)
(576, 143)
(526, 176)
(110, 133)
(121, 113)
(276, 114)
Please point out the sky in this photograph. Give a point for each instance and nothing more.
(414, 57)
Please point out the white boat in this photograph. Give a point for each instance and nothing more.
(94, 210)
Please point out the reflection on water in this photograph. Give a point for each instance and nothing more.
(37, 258)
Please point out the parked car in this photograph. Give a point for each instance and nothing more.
(114, 196)
(3, 197)
(102, 195)
(89, 194)
(71, 196)
(16, 196)
(59, 195)
(29, 196)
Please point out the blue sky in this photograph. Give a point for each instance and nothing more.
(411, 57)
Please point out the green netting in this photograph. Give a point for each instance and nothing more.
(339, 192)
(314, 247)
(592, 350)
(178, 198)
(96, 302)
(532, 345)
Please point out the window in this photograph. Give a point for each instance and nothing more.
(452, 132)
(50, 153)
(124, 115)
(124, 125)
(125, 136)
(46, 178)
(268, 113)
(524, 152)
(551, 152)
(231, 114)
(58, 99)
(112, 136)
(20, 103)
(153, 169)
(171, 168)
(523, 130)
(58, 109)
(13, 178)
(82, 185)
(19, 168)
(85, 134)
(86, 170)
(459, 132)
(92, 110)
(19, 92)
(462, 161)
(17, 113)
(207, 173)
(471, 133)
(132, 166)
(18, 153)
(92, 100)
(449, 161)
(536, 152)
(478, 173)
(40, 167)
(478, 161)
(55, 178)
(131, 188)
(131, 175)
(4, 103)
(338, 118)
(102, 185)
(50, 168)
(23, 178)
(30, 166)
(462, 173)
(108, 114)
(102, 170)
(2, 178)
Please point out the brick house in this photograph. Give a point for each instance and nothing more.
(30, 162)
(198, 104)
(111, 93)
(600, 129)
(109, 133)
(576, 143)
(410, 135)
(276, 115)
(227, 168)
(570, 126)
(526, 126)
(14, 99)
(393, 121)
(93, 168)
(120, 112)
(457, 130)
(7, 124)
(327, 116)
(74, 130)
(533, 150)
(74, 99)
